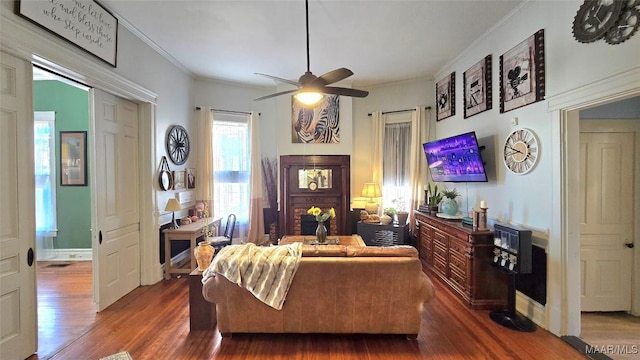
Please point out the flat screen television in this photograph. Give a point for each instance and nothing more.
(455, 159)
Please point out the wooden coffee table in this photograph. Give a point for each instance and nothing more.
(347, 240)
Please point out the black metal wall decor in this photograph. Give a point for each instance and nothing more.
(615, 21)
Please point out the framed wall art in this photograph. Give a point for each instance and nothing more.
(446, 97)
(477, 88)
(84, 23)
(179, 179)
(522, 73)
(191, 178)
(319, 124)
(73, 158)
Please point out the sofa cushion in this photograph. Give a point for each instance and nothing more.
(324, 250)
(382, 251)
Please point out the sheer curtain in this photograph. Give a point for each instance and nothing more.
(204, 155)
(420, 121)
(396, 162)
(256, 216)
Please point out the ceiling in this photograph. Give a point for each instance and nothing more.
(380, 41)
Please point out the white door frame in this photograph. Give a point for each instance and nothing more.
(25, 42)
(563, 306)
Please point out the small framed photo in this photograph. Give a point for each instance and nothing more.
(446, 97)
(522, 75)
(191, 178)
(73, 158)
(477, 87)
(179, 179)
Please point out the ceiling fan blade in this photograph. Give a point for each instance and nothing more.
(275, 94)
(332, 76)
(344, 91)
(294, 83)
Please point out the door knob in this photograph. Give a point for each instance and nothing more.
(629, 245)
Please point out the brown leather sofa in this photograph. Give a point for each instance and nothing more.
(336, 289)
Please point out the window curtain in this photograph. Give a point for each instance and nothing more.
(377, 146)
(420, 121)
(396, 162)
(256, 216)
(204, 155)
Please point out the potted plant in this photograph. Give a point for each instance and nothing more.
(387, 216)
(402, 214)
(450, 205)
(435, 197)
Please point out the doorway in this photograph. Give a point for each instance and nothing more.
(63, 211)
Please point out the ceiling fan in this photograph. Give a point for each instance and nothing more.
(310, 88)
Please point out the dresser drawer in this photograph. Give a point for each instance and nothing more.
(440, 266)
(458, 262)
(440, 251)
(458, 246)
(441, 239)
(459, 280)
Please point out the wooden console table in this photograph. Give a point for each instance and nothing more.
(185, 232)
(461, 258)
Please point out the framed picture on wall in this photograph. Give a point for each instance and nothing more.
(319, 124)
(191, 178)
(73, 158)
(522, 73)
(446, 97)
(477, 87)
(179, 179)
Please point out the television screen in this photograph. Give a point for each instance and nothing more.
(455, 159)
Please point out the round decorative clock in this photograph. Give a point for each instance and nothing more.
(312, 185)
(178, 144)
(594, 18)
(520, 153)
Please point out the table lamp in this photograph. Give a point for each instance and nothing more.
(173, 205)
(371, 191)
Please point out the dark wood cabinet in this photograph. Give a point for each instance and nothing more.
(462, 259)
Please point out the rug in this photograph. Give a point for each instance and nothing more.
(123, 355)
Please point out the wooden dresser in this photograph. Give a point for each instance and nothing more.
(462, 259)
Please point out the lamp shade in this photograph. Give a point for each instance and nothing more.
(173, 205)
(371, 190)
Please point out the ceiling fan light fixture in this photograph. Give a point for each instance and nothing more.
(309, 98)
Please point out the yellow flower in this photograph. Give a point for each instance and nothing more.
(317, 212)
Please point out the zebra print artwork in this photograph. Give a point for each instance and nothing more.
(319, 124)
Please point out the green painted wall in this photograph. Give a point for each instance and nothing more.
(73, 203)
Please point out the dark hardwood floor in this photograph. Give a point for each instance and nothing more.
(152, 322)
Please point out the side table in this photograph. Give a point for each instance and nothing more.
(202, 314)
(383, 235)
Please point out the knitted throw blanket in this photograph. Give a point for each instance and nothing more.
(266, 272)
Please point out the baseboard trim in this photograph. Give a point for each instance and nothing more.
(64, 255)
(531, 309)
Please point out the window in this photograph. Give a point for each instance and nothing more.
(231, 170)
(45, 173)
(395, 161)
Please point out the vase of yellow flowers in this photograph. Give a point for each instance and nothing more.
(321, 231)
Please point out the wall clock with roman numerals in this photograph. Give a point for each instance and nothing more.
(521, 151)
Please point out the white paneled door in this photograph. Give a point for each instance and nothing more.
(117, 232)
(18, 323)
(606, 225)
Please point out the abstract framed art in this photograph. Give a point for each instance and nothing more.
(522, 73)
(477, 88)
(446, 97)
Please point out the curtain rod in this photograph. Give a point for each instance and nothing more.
(399, 111)
(229, 111)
